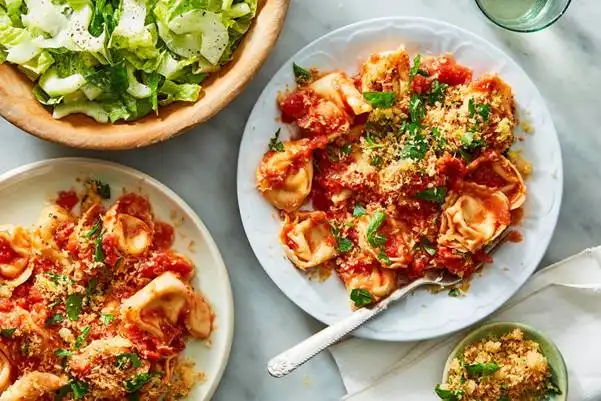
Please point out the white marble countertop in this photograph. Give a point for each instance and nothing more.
(563, 61)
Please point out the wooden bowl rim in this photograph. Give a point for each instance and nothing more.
(18, 106)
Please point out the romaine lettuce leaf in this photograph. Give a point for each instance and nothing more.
(54, 85)
(92, 109)
(131, 32)
(171, 92)
(38, 65)
(214, 35)
(135, 88)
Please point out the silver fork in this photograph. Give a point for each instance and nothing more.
(294, 357)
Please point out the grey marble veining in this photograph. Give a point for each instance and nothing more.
(563, 61)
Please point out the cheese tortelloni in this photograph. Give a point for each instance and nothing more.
(33, 386)
(166, 299)
(386, 72)
(473, 218)
(88, 219)
(51, 219)
(131, 223)
(285, 178)
(104, 347)
(307, 239)
(377, 281)
(396, 253)
(5, 368)
(497, 171)
(340, 90)
(15, 253)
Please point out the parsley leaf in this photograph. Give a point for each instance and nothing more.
(74, 305)
(106, 318)
(455, 292)
(373, 238)
(484, 111)
(469, 142)
(436, 194)
(361, 297)
(448, 395)
(380, 100)
(54, 320)
(301, 75)
(94, 230)
(441, 142)
(370, 143)
(481, 369)
(98, 250)
(137, 382)
(359, 210)
(438, 92)
(79, 388)
(415, 69)
(346, 149)
(58, 278)
(82, 337)
(343, 244)
(427, 246)
(62, 353)
(384, 258)
(102, 189)
(275, 144)
(417, 109)
(7, 333)
(122, 360)
(471, 108)
(415, 148)
(376, 160)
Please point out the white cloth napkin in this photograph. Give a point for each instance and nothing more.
(562, 300)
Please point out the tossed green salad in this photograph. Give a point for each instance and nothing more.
(120, 59)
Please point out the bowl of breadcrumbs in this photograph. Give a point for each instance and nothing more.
(504, 361)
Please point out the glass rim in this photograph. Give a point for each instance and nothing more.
(527, 30)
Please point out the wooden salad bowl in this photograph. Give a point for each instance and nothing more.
(19, 106)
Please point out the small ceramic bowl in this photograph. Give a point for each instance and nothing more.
(497, 329)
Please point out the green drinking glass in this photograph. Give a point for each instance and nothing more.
(523, 15)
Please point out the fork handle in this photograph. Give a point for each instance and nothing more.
(294, 357)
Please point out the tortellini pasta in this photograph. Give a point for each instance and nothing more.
(473, 218)
(15, 252)
(111, 346)
(378, 282)
(5, 368)
(399, 242)
(500, 173)
(33, 386)
(285, 178)
(340, 90)
(131, 223)
(386, 72)
(50, 220)
(166, 298)
(307, 239)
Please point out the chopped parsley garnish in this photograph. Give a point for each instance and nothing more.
(91, 289)
(361, 297)
(415, 69)
(376, 160)
(380, 100)
(469, 142)
(415, 147)
(62, 353)
(373, 237)
(384, 258)
(82, 337)
(359, 210)
(74, 305)
(301, 75)
(455, 292)
(79, 389)
(484, 111)
(471, 108)
(346, 149)
(102, 189)
(370, 143)
(123, 360)
(448, 395)
(98, 251)
(54, 320)
(481, 369)
(438, 92)
(94, 230)
(58, 278)
(436, 194)
(441, 141)
(427, 246)
(343, 244)
(106, 318)
(275, 144)
(7, 333)
(504, 398)
(417, 109)
(137, 382)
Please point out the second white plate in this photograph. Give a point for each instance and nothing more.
(423, 315)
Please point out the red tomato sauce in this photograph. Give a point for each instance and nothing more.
(67, 199)
(7, 253)
(446, 70)
(166, 261)
(164, 235)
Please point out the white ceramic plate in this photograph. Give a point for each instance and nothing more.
(423, 315)
(24, 191)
